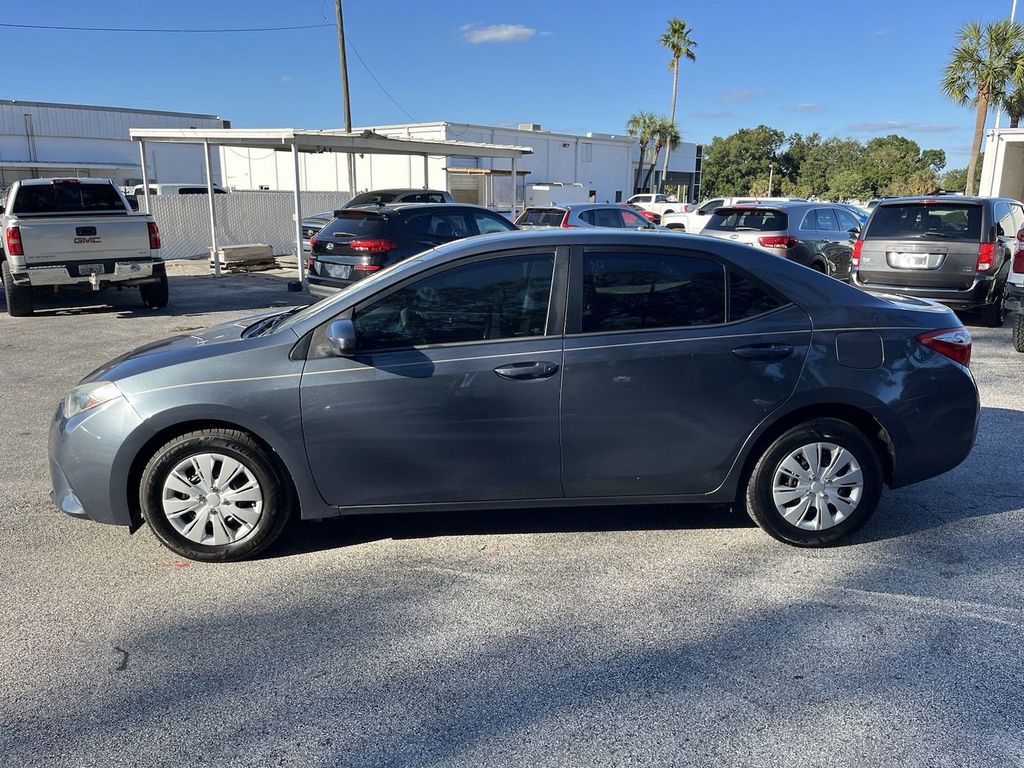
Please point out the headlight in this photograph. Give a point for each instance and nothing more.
(86, 396)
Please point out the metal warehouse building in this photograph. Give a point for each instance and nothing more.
(604, 164)
(43, 139)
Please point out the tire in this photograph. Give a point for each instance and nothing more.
(233, 528)
(1018, 333)
(800, 530)
(155, 295)
(818, 266)
(993, 315)
(19, 297)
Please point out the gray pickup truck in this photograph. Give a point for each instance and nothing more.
(78, 234)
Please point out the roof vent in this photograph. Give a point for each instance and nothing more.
(529, 126)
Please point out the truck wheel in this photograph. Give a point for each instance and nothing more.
(1018, 333)
(155, 295)
(19, 297)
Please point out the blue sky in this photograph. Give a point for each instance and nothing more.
(799, 65)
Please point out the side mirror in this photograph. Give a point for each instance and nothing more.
(341, 334)
(855, 231)
(133, 202)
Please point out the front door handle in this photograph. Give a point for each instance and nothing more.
(531, 370)
(763, 351)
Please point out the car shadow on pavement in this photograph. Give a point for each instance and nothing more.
(189, 295)
(352, 530)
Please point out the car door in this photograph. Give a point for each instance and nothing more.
(452, 393)
(664, 378)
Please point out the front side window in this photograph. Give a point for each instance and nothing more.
(487, 223)
(847, 220)
(606, 217)
(631, 291)
(503, 298)
(631, 221)
(1004, 220)
(708, 208)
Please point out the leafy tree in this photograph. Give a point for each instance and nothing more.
(981, 67)
(642, 125)
(954, 179)
(676, 38)
(733, 164)
(935, 159)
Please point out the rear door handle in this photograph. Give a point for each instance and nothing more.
(763, 351)
(532, 370)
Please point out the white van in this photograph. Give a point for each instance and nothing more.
(176, 189)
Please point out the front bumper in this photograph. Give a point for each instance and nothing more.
(89, 462)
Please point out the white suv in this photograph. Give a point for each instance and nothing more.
(694, 221)
(1015, 297)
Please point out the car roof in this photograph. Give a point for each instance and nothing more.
(407, 207)
(396, 191)
(944, 198)
(51, 179)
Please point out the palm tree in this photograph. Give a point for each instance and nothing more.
(676, 38)
(1013, 103)
(641, 125)
(983, 63)
(665, 136)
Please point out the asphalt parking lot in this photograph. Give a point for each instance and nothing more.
(664, 636)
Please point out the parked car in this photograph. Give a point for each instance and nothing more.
(388, 196)
(310, 226)
(694, 221)
(1015, 297)
(77, 234)
(195, 188)
(536, 369)
(956, 250)
(360, 241)
(817, 235)
(861, 214)
(658, 204)
(612, 215)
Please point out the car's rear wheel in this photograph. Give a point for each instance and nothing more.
(993, 315)
(19, 297)
(1018, 333)
(215, 495)
(155, 295)
(815, 484)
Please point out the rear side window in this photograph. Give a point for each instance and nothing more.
(424, 197)
(543, 217)
(748, 220)
(747, 299)
(371, 198)
(630, 291)
(1004, 220)
(355, 224)
(603, 217)
(440, 225)
(952, 221)
(67, 198)
(826, 220)
(504, 298)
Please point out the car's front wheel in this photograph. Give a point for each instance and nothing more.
(215, 495)
(1018, 333)
(815, 484)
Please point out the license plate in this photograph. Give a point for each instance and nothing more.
(91, 269)
(340, 271)
(910, 260)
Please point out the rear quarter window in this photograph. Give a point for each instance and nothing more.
(748, 220)
(952, 221)
(543, 218)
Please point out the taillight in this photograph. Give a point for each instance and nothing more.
(986, 256)
(365, 267)
(14, 242)
(1018, 262)
(154, 236)
(954, 343)
(312, 241)
(309, 262)
(856, 252)
(777, 241)
(373, 246)
(565, 222)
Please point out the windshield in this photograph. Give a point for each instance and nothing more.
(360, 285)
(956, 221)
(748, 220)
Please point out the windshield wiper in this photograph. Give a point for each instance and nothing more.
(935, 233)
(746, 229)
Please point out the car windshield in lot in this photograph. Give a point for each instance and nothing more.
(543, 217)
(953, 221)
(748, 220)
(71, 197)
(356, 224)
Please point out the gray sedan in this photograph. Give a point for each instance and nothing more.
(549, 368)
(605, 215)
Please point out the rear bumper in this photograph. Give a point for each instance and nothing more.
(977, 296)
(125, 273)
(322, 287)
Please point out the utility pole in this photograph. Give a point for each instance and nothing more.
(344, 95)
(771, 177)
(1013, 16)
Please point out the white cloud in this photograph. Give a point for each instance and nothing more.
(806, 107)
(496, 33)
(740, 94)
(287, 79)
(898, 125)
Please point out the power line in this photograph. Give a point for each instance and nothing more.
(174, 31)
(379, 85)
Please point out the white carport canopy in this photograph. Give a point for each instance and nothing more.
(296, 140)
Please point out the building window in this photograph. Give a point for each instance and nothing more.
(586, 152)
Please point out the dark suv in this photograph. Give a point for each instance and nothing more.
(955, 250)
(360, 241)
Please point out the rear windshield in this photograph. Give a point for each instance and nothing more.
(67, 198)
(926, 220)
(356, 224)
(748, 220)
(542, 217)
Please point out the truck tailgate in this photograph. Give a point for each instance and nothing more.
(83, 239)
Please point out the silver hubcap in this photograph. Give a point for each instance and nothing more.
(211, 498)
(817, 486)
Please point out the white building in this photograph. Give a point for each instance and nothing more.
(43, 139)
(605, 164)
